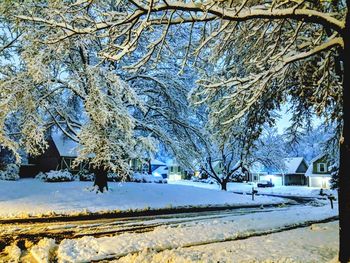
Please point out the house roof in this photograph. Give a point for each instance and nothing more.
(292, 164)
(309, 171)
(161, 170)
(65, 146)
(317, 158)
(157, 162)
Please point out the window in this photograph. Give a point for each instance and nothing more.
(321, 167)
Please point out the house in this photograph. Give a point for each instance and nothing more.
(59, 155)
(318, 172)
(176, 172)
(218, 167)
(137, 165)
(161, 171)
(256, 171)
(155, 164)
(148, 166)
(292, 172)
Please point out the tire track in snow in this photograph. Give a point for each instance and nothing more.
(59, 231)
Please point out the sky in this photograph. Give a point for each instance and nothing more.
(284, 121)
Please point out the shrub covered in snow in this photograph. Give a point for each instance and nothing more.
(11, 173)
(237, 176)
(147, 178)
(209, 181)
(41, 176)
(85, 175)
(113, 177)
(56, 176)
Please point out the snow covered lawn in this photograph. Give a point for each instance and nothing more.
(204, 232)
(30, 197)
(301, 191)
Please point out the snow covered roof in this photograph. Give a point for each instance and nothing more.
(309, 171)
(317, 158)
(65, 146)
(161, 170)
(292, 164)
(157, 162)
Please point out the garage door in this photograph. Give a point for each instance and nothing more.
(276, 180)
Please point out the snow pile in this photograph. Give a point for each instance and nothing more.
(30, 197)
(11, 173)
(44, 250)
(189, 233)
(13, 254)
(56, 176)
(147, 178)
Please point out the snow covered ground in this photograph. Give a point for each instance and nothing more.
(301, 191)
(30, 197)
(315, 244)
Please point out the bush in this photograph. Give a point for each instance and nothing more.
(85, 175)
(41, 176)
(11, 173)
(147, 178)
(56, 176)
(113, 177)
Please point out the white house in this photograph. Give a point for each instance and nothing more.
(318, 173)
(293, 172)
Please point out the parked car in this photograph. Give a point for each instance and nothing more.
(265, 184)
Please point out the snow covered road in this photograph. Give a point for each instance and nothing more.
(34, 231)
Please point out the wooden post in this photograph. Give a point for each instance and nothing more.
(331, 199)
(253, 193)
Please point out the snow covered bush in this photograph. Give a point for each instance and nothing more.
(209, 181)
(59, 176)
(41, 176)
(195, 179)
(237, 176)
(147, 178)
(113, 177)
(11, 173)
(56, 176)
(85, 175)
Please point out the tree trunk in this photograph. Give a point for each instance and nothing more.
(101, 179)
(149, 166)
(223, 185)
(344, 169)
